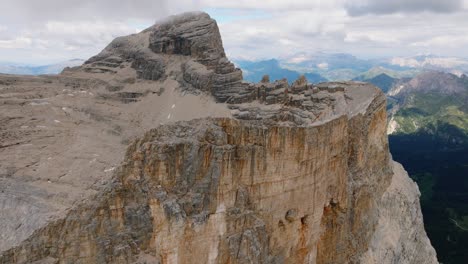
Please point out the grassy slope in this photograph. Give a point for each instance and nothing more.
(426, 111)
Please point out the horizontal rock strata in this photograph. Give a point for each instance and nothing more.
(217, 170)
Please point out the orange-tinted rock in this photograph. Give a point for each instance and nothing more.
(291, 176)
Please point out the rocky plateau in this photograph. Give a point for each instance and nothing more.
(157, 151)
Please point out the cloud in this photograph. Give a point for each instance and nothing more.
(78, 28)
(17, 43)
(275, 5)
(78, 34)
(428, 61)
(53, 30)
(323, 66)
(61, 37)
(370, 36)
(25, 11)
(363, 7)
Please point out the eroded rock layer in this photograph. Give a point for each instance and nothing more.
(227, 172)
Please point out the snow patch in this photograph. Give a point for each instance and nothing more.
(109, 169)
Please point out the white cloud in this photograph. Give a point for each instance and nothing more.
(283, 33)
(85, 33)
(428, 61)
(276, 5)
(27, 11)
(323, 66)
(296, 58)
(405, 62)
(362, 7)
(261, 29)
(60, 39)
(443, 41)
(17, 43)
(371, 37)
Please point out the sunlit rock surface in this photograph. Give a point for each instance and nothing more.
(156, 151)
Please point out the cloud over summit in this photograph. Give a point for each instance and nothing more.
(53, 30)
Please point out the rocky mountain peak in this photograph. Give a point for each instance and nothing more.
(190, 34)
(430, 82)
(193, 34)
(216, 170)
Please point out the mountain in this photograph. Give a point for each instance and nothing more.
(327, 61)
(340, 74)
(394, 73)
(254, 71)
(342, 66)
(431, 62)
(11, 68)
(332, 66)
(429, 99)
(156, 150)
(383, 81)
(429, 136)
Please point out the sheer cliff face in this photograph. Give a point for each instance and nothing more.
(277, 174)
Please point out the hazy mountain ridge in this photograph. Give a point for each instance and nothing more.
(383, 81)
(24, 69)
(316, 67)
(342, 66)
(254, 71)
(431, 100)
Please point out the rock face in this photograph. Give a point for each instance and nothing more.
(227, 172)
(400, 231)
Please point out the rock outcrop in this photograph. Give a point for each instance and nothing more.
(227, 172)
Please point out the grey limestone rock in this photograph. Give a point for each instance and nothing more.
(240, 173)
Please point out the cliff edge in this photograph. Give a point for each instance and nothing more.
(156, 151)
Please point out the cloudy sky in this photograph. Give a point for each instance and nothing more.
(48, 31)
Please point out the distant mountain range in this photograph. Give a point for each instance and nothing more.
(341, 66)
(254, 71)
(429, 101)
(383, 81)
(14, 68)
(317, 67)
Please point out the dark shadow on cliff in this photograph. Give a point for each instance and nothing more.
(439, 164)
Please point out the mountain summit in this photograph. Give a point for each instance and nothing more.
(157, 151)
(193, 35)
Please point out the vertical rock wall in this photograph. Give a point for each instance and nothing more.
(227, 191)
(300, 175)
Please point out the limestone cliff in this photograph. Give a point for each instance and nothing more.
(242, 173)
